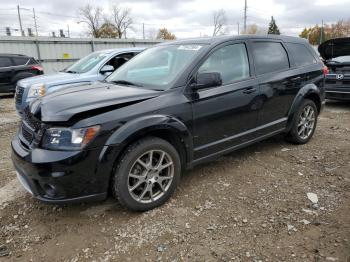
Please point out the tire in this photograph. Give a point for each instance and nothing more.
(296, 135)
(141, 185)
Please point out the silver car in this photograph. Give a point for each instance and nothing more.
(94, 67)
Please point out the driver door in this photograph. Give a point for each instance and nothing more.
(224, 116)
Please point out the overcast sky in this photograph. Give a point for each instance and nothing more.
(185, 18)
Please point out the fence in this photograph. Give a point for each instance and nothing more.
(57, 53)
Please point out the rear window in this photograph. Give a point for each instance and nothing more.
(269, 57)
(301, 54)
(18, 61)
(5, 62)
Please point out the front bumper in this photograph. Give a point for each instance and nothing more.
(62, 176)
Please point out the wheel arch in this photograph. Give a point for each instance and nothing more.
(165, 127)
(310, 91)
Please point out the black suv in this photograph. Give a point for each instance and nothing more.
(336, 55)
(14, 68)
(172, 107)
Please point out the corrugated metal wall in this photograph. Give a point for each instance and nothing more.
(57, 53)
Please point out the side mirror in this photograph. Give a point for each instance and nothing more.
(107, 69)
(207, 80)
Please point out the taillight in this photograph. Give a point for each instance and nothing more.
(37, 67)
(325, 70)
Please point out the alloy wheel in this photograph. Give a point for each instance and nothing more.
(150, 176)
(306, 122)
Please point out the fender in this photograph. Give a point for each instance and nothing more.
(143, 125)
(303, 92)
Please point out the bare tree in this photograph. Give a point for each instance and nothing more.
(91, 16)
(121, 19)
(219, 20)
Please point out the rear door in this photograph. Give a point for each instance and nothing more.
(223, 116)
(6, 73)
(278, 84)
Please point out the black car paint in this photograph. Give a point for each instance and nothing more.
(201, 124)
(10, 75)
(337, 82)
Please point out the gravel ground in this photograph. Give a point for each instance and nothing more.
(251, 205)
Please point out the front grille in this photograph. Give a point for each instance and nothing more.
(31, 120)
(27, 134)
(19, 95)
(31, 129)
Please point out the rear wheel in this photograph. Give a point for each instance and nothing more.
(147, 174)
(304, 123)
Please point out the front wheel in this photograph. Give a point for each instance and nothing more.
(147, 174)
(304, 123)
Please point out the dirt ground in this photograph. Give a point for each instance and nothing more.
(250, 205)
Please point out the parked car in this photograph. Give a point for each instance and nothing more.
(336, 55)
(14, 68)
(94, 67)
(173, 106)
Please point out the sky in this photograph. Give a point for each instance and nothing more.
(184, 18)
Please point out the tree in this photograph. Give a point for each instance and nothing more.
(219, 20)
(108, 30)
(163, 33)
(91, 16)
(273, 28)
(305, 33)
(121, 19)
(252, 29)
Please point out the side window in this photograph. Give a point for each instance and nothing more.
(5, 62)
(269, 57)
(18, 61)
(302, 56)
(120, 59)
(230, 61)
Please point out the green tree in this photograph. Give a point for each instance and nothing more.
(305, 33)
(165, 34)
(273, 28)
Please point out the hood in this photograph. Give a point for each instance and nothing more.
(62, 105)
(334, 48)
(59, 78)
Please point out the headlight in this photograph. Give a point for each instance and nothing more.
(36, 90)
(68, 139)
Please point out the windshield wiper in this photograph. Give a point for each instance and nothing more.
(124, 82)
(71, 72)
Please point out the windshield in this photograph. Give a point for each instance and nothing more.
(156, 67)
(342, 59)
(86, 64)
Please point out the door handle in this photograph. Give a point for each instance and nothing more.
(249, 90)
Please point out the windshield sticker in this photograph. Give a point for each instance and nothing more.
(189, 47)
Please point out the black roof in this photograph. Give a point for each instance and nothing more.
(14, 55)
(219, 39)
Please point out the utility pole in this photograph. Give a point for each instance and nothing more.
(35, 24)
(237, 28)
(143, 30)
(20, 20)
(245, 16)
(321, 34)
(68, 31)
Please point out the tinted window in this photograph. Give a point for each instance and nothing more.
(230, 61)
(302, 56)
(5, 61)
(20, 60)
(269, 57)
